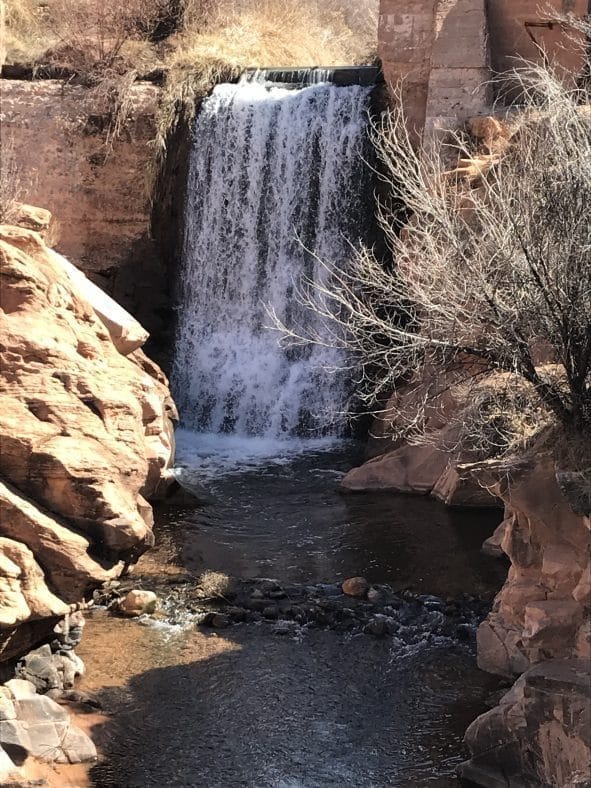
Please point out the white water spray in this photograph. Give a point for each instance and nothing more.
(273, 173)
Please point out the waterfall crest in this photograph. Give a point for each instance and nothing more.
(273, 172)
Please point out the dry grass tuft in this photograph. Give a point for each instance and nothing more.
(26, 30)
(219, 40)
(216, 585)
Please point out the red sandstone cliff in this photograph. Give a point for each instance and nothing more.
(86, 437)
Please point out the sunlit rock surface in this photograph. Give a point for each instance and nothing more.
(543, 610)
(85, 430)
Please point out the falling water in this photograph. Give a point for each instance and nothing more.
(277, 183)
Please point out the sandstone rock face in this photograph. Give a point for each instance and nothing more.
(420, 469)
(24, 593)
(85, 430)
(540, 734)
(544, 609)
(100, 203)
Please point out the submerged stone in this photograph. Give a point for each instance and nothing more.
(356, 586)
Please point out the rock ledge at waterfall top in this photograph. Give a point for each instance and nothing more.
(86, 433)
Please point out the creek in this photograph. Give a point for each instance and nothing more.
(285, 683)
(317, 705)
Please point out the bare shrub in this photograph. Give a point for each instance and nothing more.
(12, 185)
(492, 273)
(92, 35)
(216, 585)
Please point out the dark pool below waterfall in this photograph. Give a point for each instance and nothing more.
(243, 706)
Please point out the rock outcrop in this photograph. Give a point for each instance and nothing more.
(544, 609)
(539, 734)
(97, 191)
(540, 627)
(86, 435)
(429, 469)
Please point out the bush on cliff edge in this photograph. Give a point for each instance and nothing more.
(491, 286)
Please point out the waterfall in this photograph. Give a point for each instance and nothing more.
(276, 183)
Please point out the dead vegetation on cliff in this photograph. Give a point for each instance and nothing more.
(193, 44)
(230, 37)
(492, 275)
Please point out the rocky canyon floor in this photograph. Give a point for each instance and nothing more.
(307, 701)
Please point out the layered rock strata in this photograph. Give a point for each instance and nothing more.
(86, 436)
(539, 734)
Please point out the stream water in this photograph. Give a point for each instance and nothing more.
(318, 706)
(298, 686)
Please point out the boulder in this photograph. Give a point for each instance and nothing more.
(136, 603)
(48, 671)
(40, 709)
(39, 668)
(409, 469)
(86, 433)
(20, 688)
(41, 728)
(539, 733)
(426, 468)
(15, 739)
(356, 587)
(77, 747)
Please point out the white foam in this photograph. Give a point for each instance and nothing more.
(210, 454)
(274, 174)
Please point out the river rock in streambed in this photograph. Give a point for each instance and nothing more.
(406, 617)
(137, 603)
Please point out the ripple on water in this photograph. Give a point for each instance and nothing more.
(319, 708)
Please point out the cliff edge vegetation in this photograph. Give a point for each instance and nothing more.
(189, 45)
